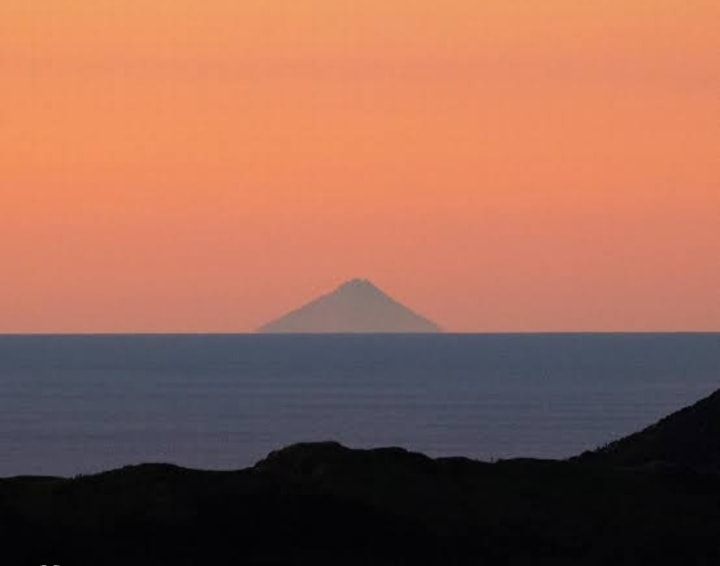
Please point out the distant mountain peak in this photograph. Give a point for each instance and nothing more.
(356, 306)
(357, 282)
(359, 285)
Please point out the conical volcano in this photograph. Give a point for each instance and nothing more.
(356, 306)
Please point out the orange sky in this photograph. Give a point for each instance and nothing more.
(500, 165)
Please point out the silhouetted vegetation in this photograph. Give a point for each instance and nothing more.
(687, 439)
(652, 498)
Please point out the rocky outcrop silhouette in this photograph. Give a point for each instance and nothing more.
(356, 306)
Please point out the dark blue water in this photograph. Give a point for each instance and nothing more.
(72, 404)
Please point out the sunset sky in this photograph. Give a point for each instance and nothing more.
(499, 165)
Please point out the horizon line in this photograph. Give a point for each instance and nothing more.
(443, 333)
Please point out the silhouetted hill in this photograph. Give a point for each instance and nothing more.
(689, 438)
(327, 504)
(646, 499)
(357, 306)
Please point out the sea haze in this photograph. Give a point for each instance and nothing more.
(76, 404)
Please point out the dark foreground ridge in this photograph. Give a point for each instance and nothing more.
(323, 503)
(687, 439)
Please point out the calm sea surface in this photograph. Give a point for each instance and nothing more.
(72, 404)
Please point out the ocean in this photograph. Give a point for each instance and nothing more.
(81, 404)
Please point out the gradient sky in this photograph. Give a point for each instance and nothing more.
(500, 165)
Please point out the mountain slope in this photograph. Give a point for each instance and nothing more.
(356, 306)
(324, 504)
(689, 438)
